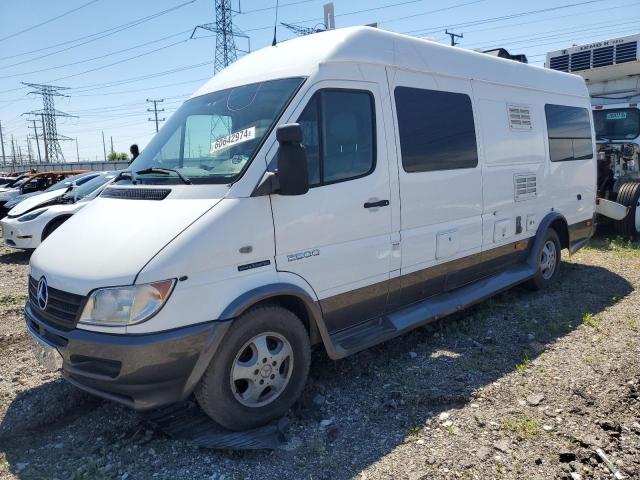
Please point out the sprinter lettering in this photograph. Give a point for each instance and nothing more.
(233, 139)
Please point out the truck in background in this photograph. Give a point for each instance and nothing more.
(611, 69)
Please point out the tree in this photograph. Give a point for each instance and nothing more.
(115, 156)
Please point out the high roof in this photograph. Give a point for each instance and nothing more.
(301, 57)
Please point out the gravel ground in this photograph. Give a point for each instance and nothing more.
(526, 385)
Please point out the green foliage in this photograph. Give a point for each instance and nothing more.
(589, 320)
(115, 156)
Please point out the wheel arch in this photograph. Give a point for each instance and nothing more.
(60, 218)
(287, 295)
(559, 224)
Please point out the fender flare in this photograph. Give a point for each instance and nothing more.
(545, 224)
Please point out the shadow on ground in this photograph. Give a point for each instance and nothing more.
(374, 398)
(16, 257)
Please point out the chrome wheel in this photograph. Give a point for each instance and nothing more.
(548, 259)
(262, 369)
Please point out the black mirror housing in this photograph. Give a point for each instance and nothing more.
(292, 161)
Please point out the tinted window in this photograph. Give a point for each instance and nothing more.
(617, 123)
(437, 131)
(338, 135)
(569, 131)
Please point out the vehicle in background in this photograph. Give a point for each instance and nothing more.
(11, 181)
(58, 188)
(611, 69)
(33, 183)
(340, 189)
(33, 220)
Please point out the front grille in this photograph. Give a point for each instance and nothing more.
(136, 193)
(603, 56)
(560, 63)
(581, 61)
(62, 308)
(626, 52)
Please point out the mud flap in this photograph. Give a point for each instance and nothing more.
(188, 423)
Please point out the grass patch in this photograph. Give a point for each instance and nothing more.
(524, 428)
(617, 245)
(589, 320)
(522, 366)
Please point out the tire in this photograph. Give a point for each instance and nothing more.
(52, 226)
(629, 196)
(547, 272)
(239, 390)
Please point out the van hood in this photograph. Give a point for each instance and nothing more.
(35, 201)
(110, 240)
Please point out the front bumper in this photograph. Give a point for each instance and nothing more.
(141, 371)
(24, 238)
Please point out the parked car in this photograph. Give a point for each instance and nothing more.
(33, 183)
(5, 180)
(359, 184)
(33, 220)
(58, 188)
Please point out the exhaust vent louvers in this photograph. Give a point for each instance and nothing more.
(560, 63)
(603, 57)
(525, 186)
(519, 117)
(626, 52)
(136, 193)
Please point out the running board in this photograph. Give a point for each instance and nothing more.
(377, 330)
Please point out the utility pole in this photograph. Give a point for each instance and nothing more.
(104, 149)
(155, 111)
(35, 131)
(13, 153)
(4, 159)
(453, 37)
(29, 149)
(77, 150)
(112, 145)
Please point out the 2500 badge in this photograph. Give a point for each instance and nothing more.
(299, 256)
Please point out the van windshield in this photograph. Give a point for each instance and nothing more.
(617, 123)
(213, 137)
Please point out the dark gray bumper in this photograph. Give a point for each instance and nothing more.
(141, 371)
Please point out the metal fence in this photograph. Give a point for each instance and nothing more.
(47, 167)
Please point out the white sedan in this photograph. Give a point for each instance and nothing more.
(34, 219)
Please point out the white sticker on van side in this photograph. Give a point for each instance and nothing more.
(233, 139)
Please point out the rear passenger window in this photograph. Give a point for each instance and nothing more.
(437, 130)
(569, 131)
(338, 135)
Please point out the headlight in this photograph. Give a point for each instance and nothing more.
(31, 216)
(120, 306)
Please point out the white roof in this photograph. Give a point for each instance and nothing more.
(303, 55)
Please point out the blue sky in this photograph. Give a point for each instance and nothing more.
(107, 93)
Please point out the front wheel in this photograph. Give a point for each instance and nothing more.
(548, 262)
(259, 370)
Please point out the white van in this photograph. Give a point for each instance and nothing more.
(336, 189)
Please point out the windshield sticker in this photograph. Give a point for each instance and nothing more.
(233, 139)
(617, 116)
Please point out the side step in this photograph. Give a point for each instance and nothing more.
(377, 330)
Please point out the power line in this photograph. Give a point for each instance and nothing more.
(47, 21)
(97, 35)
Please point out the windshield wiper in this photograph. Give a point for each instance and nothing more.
(164, 170)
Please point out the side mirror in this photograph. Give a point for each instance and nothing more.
(292, 161)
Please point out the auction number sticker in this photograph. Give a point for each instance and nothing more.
(233, 139)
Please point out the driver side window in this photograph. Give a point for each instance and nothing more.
(338, 131)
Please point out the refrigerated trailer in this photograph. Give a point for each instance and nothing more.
(611, 69)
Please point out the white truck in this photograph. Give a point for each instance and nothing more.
(611, 69)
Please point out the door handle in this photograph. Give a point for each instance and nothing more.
(379, 203)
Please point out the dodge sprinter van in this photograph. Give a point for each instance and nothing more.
(338, 189)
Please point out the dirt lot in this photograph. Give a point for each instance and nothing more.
(525, 385)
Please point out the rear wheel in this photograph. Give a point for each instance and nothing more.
(629, 196)
(259, 370)
(548, 262)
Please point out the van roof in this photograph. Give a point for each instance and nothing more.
(302, 56)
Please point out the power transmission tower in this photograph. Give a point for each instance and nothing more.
(226, 33)
(302, 31)
(155, 111)
(453, 37)
(50, 130)
(4, 159)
